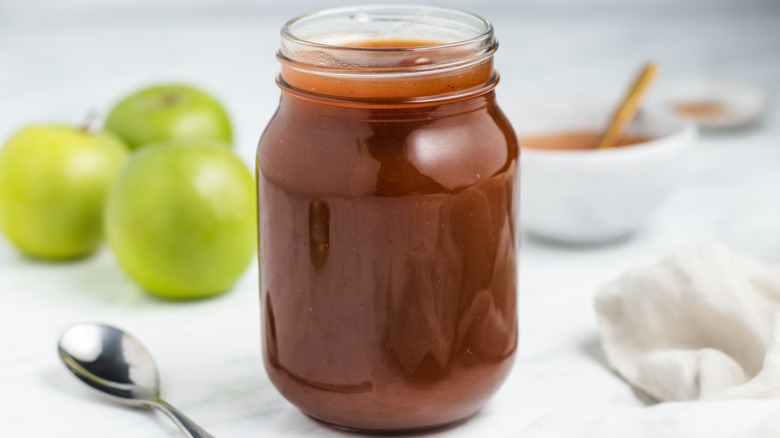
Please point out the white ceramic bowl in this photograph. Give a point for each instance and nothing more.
(591, 196)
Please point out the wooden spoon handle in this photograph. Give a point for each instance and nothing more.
(628, 107)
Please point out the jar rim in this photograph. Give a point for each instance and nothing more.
(415, 12)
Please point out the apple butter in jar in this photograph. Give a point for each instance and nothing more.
(387, 192)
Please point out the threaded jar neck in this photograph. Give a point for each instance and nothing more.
(388, 53)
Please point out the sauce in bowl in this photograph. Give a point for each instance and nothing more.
(574, 141)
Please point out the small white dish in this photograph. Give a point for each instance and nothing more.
(715, 102)
(591, 196)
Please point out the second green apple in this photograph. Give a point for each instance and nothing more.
(169, 112)
(180, 218)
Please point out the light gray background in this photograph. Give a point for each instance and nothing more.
(60, 60)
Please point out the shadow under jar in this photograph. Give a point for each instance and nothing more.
(387, 189)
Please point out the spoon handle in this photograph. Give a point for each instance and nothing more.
(628, 107)
(187, 426)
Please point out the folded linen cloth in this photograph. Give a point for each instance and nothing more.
(696, 326)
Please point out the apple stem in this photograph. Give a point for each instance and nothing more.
(171, 99)
(87, 126)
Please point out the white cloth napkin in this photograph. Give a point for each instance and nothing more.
(696, 326)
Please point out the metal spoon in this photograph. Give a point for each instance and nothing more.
(115, 363)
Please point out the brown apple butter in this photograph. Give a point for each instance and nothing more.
(387, 188)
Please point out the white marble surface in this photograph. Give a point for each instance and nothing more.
(61, 59)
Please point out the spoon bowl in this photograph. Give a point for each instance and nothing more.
(110, 361)
(115, 363)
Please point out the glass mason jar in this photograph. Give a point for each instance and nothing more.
(387, 191)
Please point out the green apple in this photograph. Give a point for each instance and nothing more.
(53, 185)
(181, 218)
(167, 112)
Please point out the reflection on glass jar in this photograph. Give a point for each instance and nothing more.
(387, 184)
(319, 232)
